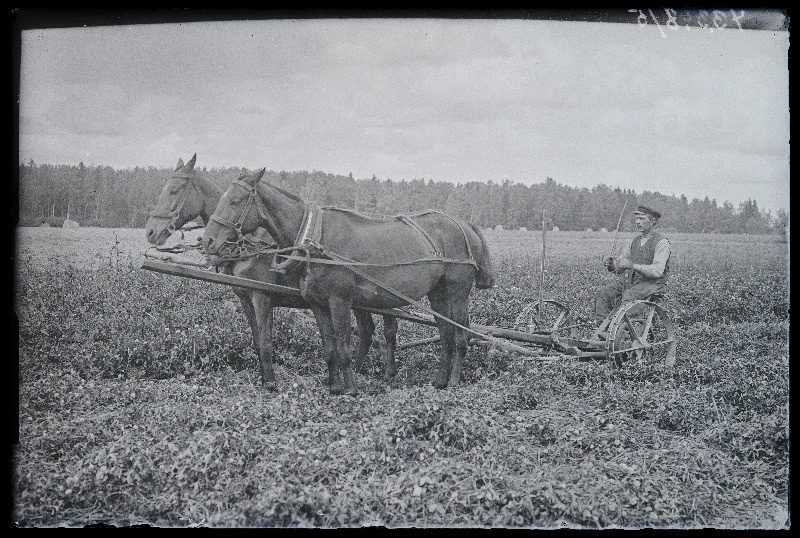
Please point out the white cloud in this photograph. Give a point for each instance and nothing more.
(454, 100)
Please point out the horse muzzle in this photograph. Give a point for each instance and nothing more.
(212, 247)
(157, 237)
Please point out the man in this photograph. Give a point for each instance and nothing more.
(646, 259)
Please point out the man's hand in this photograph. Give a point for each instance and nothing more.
(608, 262)
(622, 264)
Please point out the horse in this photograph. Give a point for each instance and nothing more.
(190, 193)
(354, 260)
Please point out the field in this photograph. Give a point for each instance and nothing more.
(140, 402)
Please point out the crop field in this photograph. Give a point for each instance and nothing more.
(140, 402)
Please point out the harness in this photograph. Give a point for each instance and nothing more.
(310, 233)
(309, 237)
(252, 199)
(313, 242)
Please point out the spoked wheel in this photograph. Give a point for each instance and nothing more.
(552, 317)
(641, 331)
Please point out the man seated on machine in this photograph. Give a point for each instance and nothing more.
(645, 259)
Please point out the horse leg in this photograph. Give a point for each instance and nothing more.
(390, 335)
(323, 316)
(441, 305)
(340, 308)
(366, 328)
(460, 314)
(262, 305)
(246, 298)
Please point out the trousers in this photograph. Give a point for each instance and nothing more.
(608, 297)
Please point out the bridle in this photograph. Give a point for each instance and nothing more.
(243, 243)
(176, 213)
(252, 200)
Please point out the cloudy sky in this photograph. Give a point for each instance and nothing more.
(687, 111)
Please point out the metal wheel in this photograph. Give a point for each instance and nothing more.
(550, 318)
(641, 331)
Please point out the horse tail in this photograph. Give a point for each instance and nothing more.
(484, 279)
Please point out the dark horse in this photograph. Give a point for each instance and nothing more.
(190, 193)
(356, 260)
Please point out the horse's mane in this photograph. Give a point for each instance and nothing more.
(286, 193)
(214, 181)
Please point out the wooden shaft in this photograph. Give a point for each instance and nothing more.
(218, 278)
(415, 343)
(230, 280)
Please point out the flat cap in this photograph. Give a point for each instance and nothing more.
(646, 210)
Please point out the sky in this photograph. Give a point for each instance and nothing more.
(693, 111)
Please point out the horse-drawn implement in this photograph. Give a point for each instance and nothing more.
(640, 330)
(375, 266)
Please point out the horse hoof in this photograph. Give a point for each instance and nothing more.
(351, 392)
(390, 374)
(439, 384)
(336, 390)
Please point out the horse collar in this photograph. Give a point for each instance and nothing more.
(311, 228)
(309, 235)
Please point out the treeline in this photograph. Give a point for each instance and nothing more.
(103, 196)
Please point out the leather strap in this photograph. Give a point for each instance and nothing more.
(425, 236)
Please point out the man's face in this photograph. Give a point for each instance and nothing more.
(644, 223)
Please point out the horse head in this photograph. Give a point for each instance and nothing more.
(238, 213)
(180, 201)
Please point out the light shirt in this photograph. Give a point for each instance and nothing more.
(660, 258)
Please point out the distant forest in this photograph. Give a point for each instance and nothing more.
(105, 197)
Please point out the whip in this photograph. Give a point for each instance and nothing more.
(610, 266)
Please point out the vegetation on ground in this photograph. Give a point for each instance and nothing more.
(140, 402)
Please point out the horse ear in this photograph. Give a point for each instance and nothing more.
(190, 164)
(260, 174)
(179, 165)
(251, 179)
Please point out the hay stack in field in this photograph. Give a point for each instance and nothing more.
(499, 228)
(44, 224)
(556, 229)
(589, 230)
(523, 229)
(71, 224)
(603, 230)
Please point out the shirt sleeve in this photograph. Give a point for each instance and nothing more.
(660, 257)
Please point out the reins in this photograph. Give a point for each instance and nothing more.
(400, 295)
(310, 233)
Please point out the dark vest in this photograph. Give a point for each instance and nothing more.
(643, 255)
